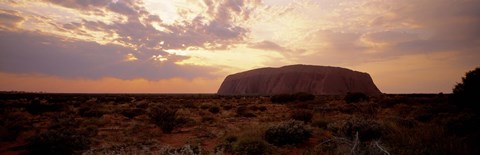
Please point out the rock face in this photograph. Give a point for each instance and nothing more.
(319, 80)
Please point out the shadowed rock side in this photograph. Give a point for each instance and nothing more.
(319, 80)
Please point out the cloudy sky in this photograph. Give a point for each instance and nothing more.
(189, 46)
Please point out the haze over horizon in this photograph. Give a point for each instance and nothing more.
(190, 46)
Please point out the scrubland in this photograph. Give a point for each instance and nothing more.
(212, 124)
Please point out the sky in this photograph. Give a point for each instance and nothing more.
(190, 46)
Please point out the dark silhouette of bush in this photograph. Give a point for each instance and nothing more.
(227, 107)
(302, 96)
(11, 125)
(164, 117)
(367, 129)
(356, 97)
(205, 106)
(88, 111)
(285, 98)
(242, 111)
(57, 142)
(288, 133)
(282, 98)
(132, 112)
(250, 146)
(467, 93)
(208, 119)
(322, 124)
(262, 108)
(37, 107)
(214, 109)
(464, 126)
(302, 115)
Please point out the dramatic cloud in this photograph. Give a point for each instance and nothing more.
(9, 19)
(191, 39)
(30, 52)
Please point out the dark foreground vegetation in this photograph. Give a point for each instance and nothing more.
(204, 124)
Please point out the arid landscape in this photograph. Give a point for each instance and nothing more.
(214, 124)
(239, 77)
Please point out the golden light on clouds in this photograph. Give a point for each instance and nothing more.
(130, 57)
(135, 42)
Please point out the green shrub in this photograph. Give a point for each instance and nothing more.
(356, 97)
(302, 115)
(214, 109)
(467, 93)
(250, 146)
(164, 117)
(290, 132)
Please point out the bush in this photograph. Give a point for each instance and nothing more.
(290, 132)
(227, 107)
(355, 97)
(208, 119)
(242, 111)
(164, 117)
(367, 129)
(204, 106)
(282, 98)
(183, 150)
(322, 124)
(11, 125)
(131, 113)
(304, 97)
(90, 112)
(262, 108)
(57, 142)
(467, 93)
(37, 107)
(250, 146)
(214, 109)
(302, 115)
(285, 98)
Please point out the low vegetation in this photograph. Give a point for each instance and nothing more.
(401, 124)
(288, 133)
(164, 117)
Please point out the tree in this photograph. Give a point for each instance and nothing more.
(467, 93)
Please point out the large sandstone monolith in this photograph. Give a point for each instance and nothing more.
(319, 80)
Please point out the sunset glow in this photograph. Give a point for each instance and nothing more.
(190, 46)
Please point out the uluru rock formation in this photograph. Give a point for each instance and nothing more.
(319, 80)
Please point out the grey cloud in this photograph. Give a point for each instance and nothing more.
(9, 19)
(390, 37)
(215, 29)
(122, 8)
(268, 45)
(33, 52)
(95, 6)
